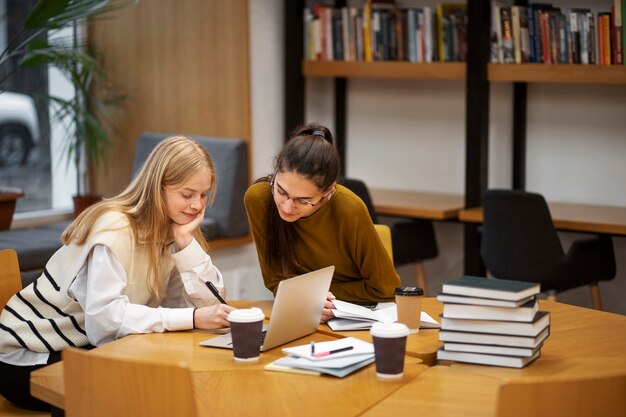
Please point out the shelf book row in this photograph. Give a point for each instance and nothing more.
(543, 33)
(492, 322)
(381, 31)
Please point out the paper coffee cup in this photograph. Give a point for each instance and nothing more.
(409, 306)
(246, 327)
(389, 347)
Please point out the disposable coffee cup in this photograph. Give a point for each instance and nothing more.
(409, 305)
(246, 327)
(389, 347)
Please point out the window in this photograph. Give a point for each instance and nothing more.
(31, 157)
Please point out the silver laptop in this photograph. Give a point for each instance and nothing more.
(296, 312)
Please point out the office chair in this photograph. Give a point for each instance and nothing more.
(519, 242)
(101, 386)
(413, 240)
(10, 279)
(598, 396)
(384, 233)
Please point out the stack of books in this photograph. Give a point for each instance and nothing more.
(492, 322)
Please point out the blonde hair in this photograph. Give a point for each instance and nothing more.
(170, 164)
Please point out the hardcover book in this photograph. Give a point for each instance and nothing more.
(500, 289)
(494, 339)
(484, 359)
(539, 324)
(524, 313)
(463, 299)
(490, 350)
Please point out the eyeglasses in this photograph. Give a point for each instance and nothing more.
(282, 196)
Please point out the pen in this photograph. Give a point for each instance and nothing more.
(330, 352)
(215, 292)
(312, 347)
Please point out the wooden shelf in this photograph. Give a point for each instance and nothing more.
(385, 69)
(558, 73)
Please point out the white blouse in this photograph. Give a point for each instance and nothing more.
(109, 315)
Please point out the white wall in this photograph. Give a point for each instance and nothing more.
(410, 135)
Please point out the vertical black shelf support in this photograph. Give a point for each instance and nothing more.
(341, 86)
(341, 89)
(520, 91)
(294, 53)
(476, 124)
(520, 96)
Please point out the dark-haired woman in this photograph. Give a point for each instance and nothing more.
(302, 220)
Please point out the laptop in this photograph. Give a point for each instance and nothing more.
(296, 312)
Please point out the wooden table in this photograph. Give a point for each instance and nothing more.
(574, 217)
(583, 342)
(416, 204)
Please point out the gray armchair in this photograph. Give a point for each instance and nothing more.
(227, 216)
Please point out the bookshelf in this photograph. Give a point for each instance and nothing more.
(385, 69)
(557, 73)
(477, 72)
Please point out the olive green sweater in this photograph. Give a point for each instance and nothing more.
(340, 233)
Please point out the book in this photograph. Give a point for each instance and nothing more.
(494, 339)
(330, 367)
(359, 347)
(463, 299)
(273, 366)
(501, 289)
(523, 313)
(490, 350)
(485, 359)
(349, 316)
(540, 322)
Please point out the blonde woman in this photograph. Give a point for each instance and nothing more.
(134, 263)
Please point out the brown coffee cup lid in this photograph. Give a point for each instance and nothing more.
(409, 291)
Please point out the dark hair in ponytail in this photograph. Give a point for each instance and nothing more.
(310, 152)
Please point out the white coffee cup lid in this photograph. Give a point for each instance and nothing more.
(389, 330)
(246, 315)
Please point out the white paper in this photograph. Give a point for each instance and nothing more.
(360, 347)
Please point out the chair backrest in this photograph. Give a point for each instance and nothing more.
(231, 163)
(100, 386)
(384, 233)
(10, 280)
(598, 397)
(359, 188)
(519, 241)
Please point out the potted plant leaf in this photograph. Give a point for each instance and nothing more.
(85, 116)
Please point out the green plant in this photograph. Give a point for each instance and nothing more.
(85, 115)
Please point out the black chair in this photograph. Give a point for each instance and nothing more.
(519, 242)
(412, 240)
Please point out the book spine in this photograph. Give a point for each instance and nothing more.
(507, 35)
(441, 31)
(430, 34)
(367, 31)
(592, 43)
(623, 8)
(411, 35)
(618, 34)
(517, 33)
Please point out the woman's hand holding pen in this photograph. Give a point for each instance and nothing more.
(328, 305)
(212, 317)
